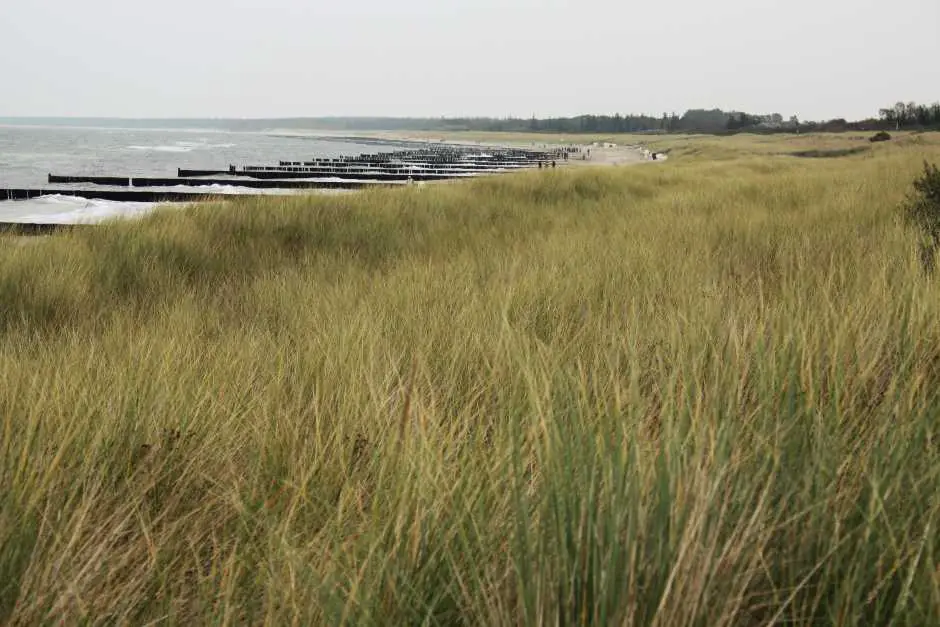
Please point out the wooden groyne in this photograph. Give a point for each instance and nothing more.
(120, 195)
(427, 163)
(273, 173)
(141, 181)
(353, 174)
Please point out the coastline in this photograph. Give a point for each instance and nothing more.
(601, 154)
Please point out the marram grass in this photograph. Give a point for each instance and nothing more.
(692, 393)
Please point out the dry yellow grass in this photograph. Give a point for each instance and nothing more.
(702, 392)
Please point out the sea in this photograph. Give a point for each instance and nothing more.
(30, 152)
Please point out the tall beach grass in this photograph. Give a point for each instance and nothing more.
(704, 392)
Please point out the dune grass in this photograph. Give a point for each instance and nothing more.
(696, 393)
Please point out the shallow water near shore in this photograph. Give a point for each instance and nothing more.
(29, 153)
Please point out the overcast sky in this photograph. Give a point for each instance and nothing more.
(270, 58)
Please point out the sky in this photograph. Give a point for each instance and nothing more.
(818, 59)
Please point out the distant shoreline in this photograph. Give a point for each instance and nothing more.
(600, 154)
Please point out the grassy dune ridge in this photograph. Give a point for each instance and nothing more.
(703, 392)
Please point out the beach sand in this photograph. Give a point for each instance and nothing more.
(599, 154)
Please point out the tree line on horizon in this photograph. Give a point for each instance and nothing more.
(900, 116)
(911, 114)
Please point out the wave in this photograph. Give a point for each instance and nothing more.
(161, 148)
(202, 144)
(233, 190)
(60, 209)
(182, 146)
(65, 209)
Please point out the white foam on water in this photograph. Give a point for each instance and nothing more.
(182, 146)
(202, 144)
(64, 209)
(331, 179)
(161, 148)
(233, 190)
(59, 209)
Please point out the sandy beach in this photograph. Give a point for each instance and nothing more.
(600, 154)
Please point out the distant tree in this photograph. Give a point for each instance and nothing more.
(669, 122)
(741, 120)
(911, 114)
(900, 112)
(889, 115)
(703, 120)
(923, 115)
(837, 125)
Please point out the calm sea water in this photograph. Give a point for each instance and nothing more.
(29, 153)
